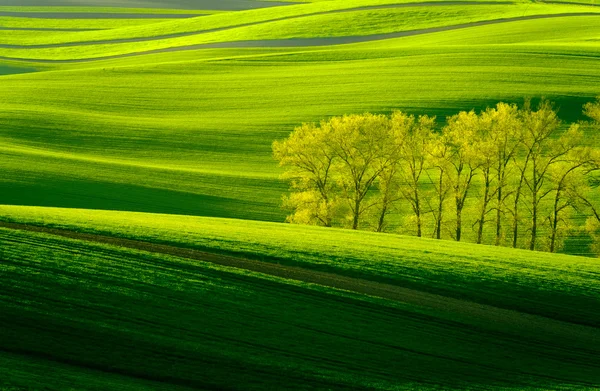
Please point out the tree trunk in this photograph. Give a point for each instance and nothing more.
(499, 205)
(499, 217)
(515, 227)
(553, 236)
(534, 225)
(381, 222)
(418, 212)
(515, 231)
(555, 221)
(356, 213)
(438, 228)
(486, 195)
(440, 212)
(458, 223)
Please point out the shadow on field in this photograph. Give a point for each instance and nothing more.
(12, 70)
(179, 324)
(114, 196)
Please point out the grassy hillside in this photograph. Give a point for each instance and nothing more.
(190, 131)
(265, 25)
(557, 286)
(141, 244)
(87, 316)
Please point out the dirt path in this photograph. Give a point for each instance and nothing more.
(285, 43)
(502, 320)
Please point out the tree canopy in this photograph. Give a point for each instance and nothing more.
(507, 175)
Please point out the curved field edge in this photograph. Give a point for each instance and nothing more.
(155, 319)
(281, 35)
(552, 285)
(311, 15)
(91, 9)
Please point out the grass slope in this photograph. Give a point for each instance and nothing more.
(298, 13)
(263, 25)
(100, 316)
(551, 285)
(16, 23)
(190, 132)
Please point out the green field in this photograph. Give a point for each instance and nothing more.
(267, 332)
(141, 236)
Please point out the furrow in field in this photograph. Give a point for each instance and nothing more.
(286, 43)
(160, 317)
(539, 326)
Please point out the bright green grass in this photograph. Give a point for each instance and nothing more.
(266, 15)
(190, 132)
(590, 2)
(180, 131)
(85, 316)
(558, 286)
(340, 24)
(103, 10)
(92, 24)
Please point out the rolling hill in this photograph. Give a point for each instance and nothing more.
(141, 236)
(189, 130)
(164, 296)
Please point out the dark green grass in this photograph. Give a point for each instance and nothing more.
(13, 70)
(132, 320)
(551, 285)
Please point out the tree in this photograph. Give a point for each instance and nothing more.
(569, 178)
(388, 186)
(416, 135)
(353, 170)
(460, 134)
(592, 110)
(439, 161)
(543, 150)
(502, 127)
(484, 150)
(364, 146)
(309, 161)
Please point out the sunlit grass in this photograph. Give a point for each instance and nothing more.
(191, 132)
(107, 10)
(10, 36)
(336, 24)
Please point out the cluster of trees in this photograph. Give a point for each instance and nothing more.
(508, 175)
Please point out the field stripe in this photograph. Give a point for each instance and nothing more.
(93, 15)
(275, 43)
(502, 319)
(232, 27)
(74, 30)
